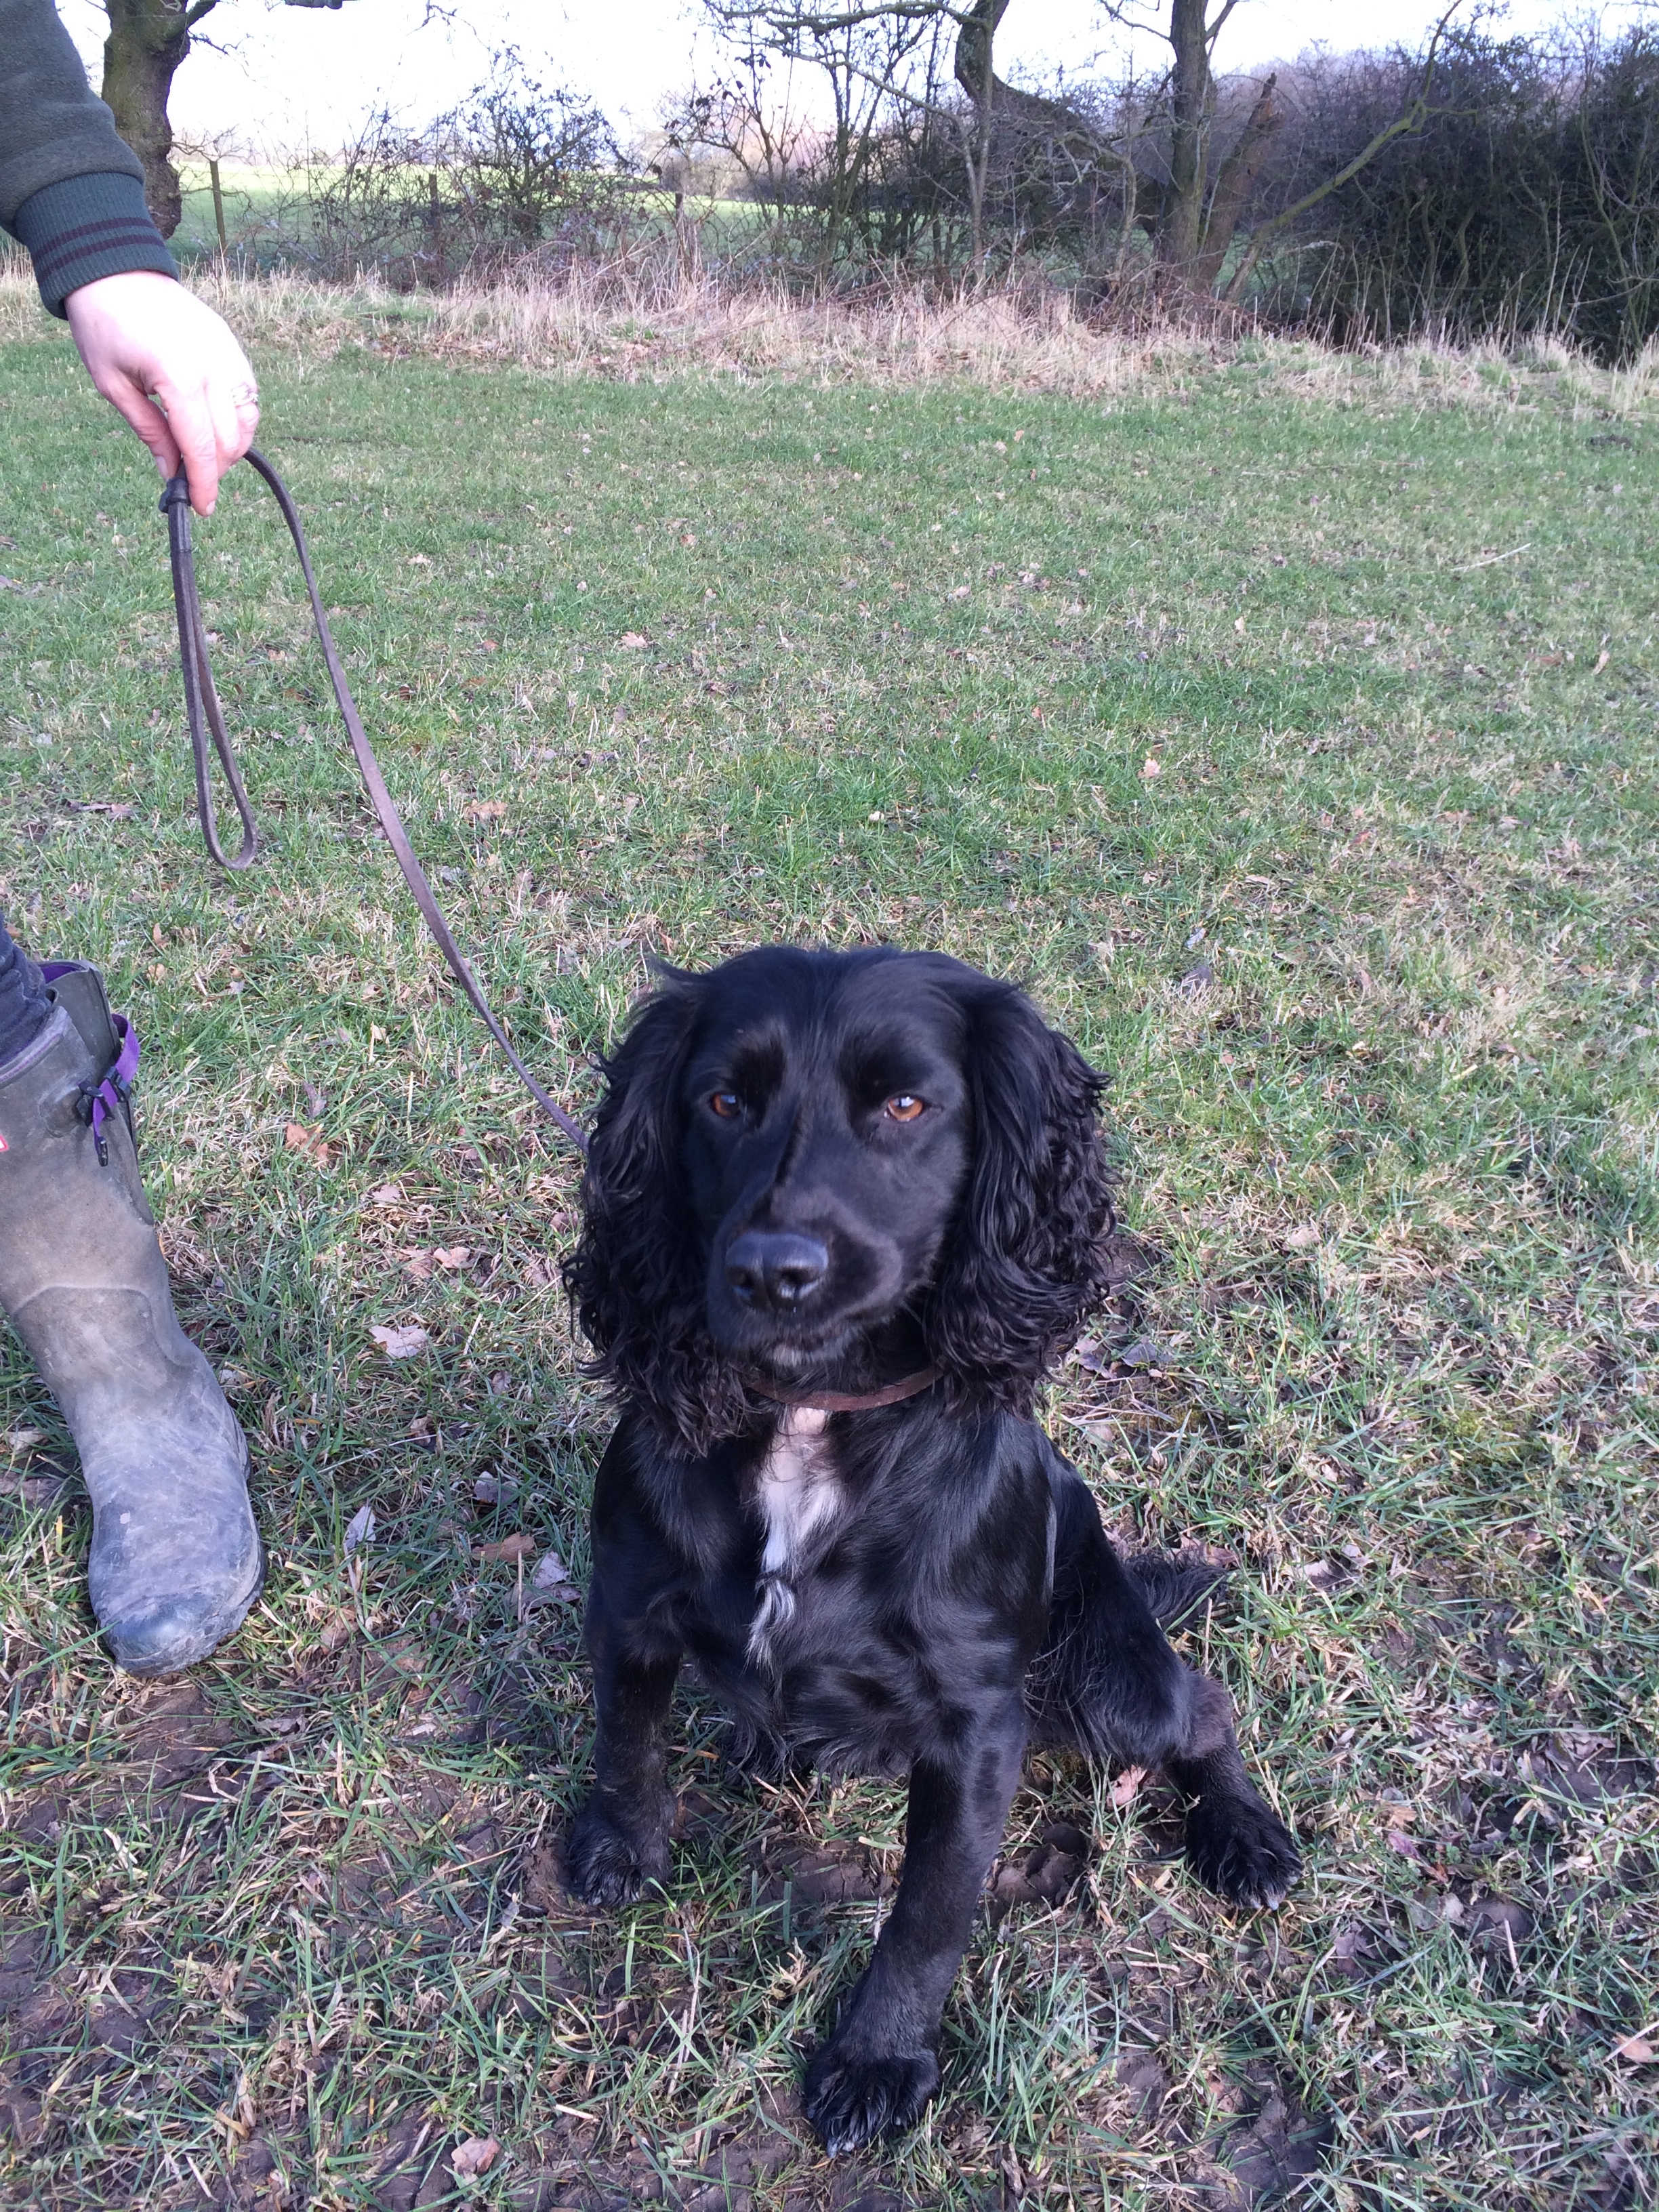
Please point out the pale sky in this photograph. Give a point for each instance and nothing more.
(291, 73)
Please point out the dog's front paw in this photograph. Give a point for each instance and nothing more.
(1240, 1849)
(853, 2098)
(604, 1867)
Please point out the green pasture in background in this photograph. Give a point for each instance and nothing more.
(1298, 754)
(270, 219)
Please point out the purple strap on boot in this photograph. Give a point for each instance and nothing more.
(109, 1095)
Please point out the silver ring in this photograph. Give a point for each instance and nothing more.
(244, 395)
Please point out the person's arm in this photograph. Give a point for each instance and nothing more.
(72, 191)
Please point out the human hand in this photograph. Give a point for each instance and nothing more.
(139, 334)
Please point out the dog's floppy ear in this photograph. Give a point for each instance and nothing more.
(636, 1275)
(1025, 1260)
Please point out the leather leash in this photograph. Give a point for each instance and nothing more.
(206, 718)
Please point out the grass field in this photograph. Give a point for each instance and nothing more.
(1292, 735)
(269, 216)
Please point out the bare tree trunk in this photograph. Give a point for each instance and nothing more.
(1192, 98)
(1005, 119)
(148, 39)
(983, 118)
(1232, 185)
(975, 72)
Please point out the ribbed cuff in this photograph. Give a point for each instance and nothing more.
(86, 228)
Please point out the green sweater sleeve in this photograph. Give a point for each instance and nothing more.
(71, 189)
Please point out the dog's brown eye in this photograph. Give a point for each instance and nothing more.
(726, 1104)
(906, 1107)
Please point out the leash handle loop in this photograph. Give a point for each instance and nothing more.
(202, 709)
(202, 706)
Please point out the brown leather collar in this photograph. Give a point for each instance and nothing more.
(844, 1401)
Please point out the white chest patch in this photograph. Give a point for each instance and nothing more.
(796, 1494)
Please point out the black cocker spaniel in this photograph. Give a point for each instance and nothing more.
(842, 1212)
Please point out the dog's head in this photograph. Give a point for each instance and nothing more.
(799, 1149)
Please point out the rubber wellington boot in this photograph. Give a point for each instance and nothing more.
(175, 1556)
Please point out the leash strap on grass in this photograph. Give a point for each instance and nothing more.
(206, 720)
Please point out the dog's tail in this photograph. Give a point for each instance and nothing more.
(1174, 1586)
(1105, 1681)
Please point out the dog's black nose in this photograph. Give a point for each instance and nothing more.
(774, 1267)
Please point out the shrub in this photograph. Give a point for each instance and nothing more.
(519, 170)
(1528, 206)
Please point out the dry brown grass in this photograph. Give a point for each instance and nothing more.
(635, 322)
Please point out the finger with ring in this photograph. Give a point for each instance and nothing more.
(244, 395)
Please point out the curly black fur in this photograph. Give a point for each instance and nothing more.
(1023, 1263)
(636, 1278)
(818, 1171)
(1026, 1265)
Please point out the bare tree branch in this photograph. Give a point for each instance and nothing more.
(1411, 119)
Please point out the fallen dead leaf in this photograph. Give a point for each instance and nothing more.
(36, 1491)
(338, 1629)
(518, 1546)
(632, 641)
(1123, 1789)
(475, 2156)
(312, 1142)
(1404, 1844)
(1149, 768)
(418, 1263)
(1637, 2049)
(450, 1256)
(360, 1530)
(550, 1583)
(485, 810)
(400, 1343)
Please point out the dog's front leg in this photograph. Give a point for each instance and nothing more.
(619, 1841)
(880, 2067)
